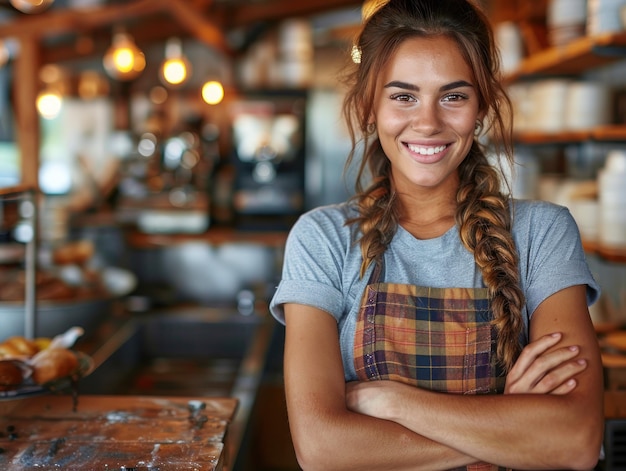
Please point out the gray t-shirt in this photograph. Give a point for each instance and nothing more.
(323, 259)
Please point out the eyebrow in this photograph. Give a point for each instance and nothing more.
(415, 88)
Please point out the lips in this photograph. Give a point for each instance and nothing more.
(426, 150)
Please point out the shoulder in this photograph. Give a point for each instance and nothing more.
(327, 222)
(538, 219)
(525, 211)
(336, 214)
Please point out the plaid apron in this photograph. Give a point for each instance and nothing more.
(439, 339)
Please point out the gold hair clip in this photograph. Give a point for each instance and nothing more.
(356, 54)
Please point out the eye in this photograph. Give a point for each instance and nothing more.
(402, 97)
(456, 96)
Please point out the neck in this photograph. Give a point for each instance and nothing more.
(427, 214)
(428, 226)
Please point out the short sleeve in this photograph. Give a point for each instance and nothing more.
(313, 265)
(556, 259)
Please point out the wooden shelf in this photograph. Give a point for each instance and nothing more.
(216, 236)
(616, 132)
(578, 56)
(611, 254)
(15, 190)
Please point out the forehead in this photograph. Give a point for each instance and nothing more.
(424, 58)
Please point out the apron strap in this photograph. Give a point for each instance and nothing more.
(378, 272)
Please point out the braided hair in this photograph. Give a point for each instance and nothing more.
(483, 212)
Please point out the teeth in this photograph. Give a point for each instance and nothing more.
(426, 150)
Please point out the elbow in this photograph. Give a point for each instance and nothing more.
(312, 452)
(584, 459)
(311, 457)
(583, 452)
(305, 454)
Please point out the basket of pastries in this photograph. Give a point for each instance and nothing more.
(30, 366)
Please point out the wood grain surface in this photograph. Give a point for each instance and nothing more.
(116, 432)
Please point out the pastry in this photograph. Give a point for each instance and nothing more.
(24, 346)
(9, 351)
(11, 375)
(53, 363)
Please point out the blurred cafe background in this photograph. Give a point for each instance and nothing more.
(155, 153)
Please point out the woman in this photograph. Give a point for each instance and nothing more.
(432, 322)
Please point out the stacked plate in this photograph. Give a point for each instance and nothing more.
(604, 16)
(612, 191)
(566, 21)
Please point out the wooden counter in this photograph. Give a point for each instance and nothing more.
(615, 404)
(115, 432)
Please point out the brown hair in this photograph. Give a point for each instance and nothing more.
(483, 213)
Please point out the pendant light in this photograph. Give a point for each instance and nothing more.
(124, 60)
(31, 6)
(50, 99)
(212, 92)
(49, 103)
(175, 69)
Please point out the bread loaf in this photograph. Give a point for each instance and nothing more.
(11, 375)
(9, 351)
(23, 345)
(53, 363)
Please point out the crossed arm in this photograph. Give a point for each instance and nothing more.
(550, 416)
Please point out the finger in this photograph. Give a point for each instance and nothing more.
(546, 372)
(559, 376)
(565, 388)
(532, 351)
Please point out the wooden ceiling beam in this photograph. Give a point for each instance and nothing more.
(65, 21)
(73, 21)
(151, 21)
(157, 29)
(277, 10)
(194, 21)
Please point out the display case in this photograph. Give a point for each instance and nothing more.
(18, 227)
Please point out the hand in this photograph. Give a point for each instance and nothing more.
(373, 398)
(539, 371)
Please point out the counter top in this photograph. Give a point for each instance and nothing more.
(115, 432)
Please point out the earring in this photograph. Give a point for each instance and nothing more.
(371, 128)
(478, 129)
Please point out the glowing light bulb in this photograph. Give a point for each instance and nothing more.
(212, 92)
(124, 60)
(175, 69)
(31, 6)
(49, 104)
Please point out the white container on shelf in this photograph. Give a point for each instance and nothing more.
(521, 99)
(566, 12)
(548, 99)
(612, 192)
(511, 45)
(604, 16)
(588, 104)
(616, 161)
(566, 20)
(586, 214)
(612, 229)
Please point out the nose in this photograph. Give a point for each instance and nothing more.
(427, 118)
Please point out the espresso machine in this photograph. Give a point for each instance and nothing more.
(268, 134)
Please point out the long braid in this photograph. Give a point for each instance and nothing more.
(484, 220)
(378, 218)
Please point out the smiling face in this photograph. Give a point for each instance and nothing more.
(426, 109)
